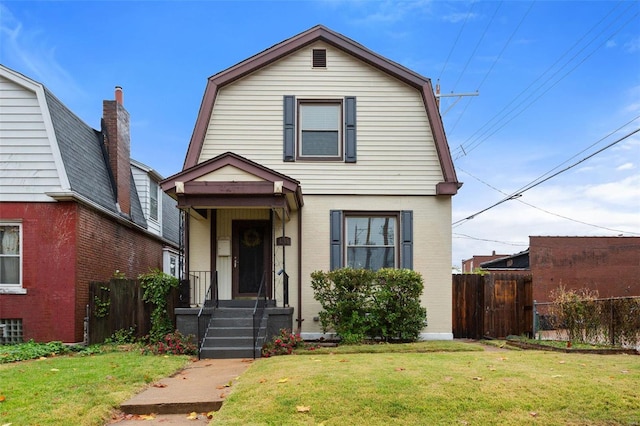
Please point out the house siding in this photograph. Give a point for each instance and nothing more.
(248, 115)
(28, 166)
(432, 251)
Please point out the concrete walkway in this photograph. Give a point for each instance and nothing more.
(201, 387)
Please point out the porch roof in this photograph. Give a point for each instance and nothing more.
(198, 187)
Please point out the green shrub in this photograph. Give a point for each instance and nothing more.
(157, 285)
(396, 313)
(122, 337)
(359, 304)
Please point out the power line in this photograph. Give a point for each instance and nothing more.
(518, 193)
(455, 43)
(547, 211)
(491, 241)
(472, 141)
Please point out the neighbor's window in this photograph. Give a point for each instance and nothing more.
(10, 255)
(153, 200)
(320, 134)
(371, 242)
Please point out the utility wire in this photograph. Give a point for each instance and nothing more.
(519, 192)
(491, 241)
(478, 142)
(546, 211)
(495, 61)
(462, 151)
(455, 43)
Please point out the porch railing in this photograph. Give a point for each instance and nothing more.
(203, 288)
(209, 296)
(258, 311)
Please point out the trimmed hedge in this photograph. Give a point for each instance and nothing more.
(359, 304)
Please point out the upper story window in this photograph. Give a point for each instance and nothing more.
(320, 129)
(10, 255)
(153, 199)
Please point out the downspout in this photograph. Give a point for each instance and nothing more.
(299, 320)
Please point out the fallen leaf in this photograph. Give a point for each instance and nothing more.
(228, 385)
(625, 371)
(220, 387)
(448, 379)
(555, 376)
(2, 398)
(147, 416)
(247, 360)
(533, 414)
(159, 385)
(285, 380)
(263, 380)
(55, 369)
(561, 362)
(302, 409)
(7, 424)
(479, 379)
(192, 416)
(166, 356)
(210, 414)
(400, 369)
(223, 396)
(344, 360)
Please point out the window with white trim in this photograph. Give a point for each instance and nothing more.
(320, 129)
(153, 199)
(371, 241)
(10, 255)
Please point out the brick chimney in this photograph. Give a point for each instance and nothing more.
(118, 144)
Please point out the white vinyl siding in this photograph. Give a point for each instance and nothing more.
(28, 166)
(396, 150)
(142, 180)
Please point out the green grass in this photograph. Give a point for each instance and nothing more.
(76, 390)
(419, 347)
(492, 387)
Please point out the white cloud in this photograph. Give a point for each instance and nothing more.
(611, 43)
(29, 51)
(633, 45)
(625, 166)
(454, 18)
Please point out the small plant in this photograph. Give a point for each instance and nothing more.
(157, 285)
(119, 275)
(123, 336)
(102, 305)
(283, 344)
(174, 343)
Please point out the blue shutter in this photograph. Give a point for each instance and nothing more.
(350, 129)
(289, 130)
(336, 239)
(406, 255)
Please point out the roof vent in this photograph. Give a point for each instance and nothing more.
(319, 58)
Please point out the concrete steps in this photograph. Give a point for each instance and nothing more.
(230, 332)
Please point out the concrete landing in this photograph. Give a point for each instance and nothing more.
(200, 387)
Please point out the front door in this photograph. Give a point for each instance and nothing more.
(251, 257)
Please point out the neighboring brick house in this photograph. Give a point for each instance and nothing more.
(70, 212)
(470, 265)
(360, 135)
(608, 265)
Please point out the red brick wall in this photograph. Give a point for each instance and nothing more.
(106, 246)
(610, 265)
(64, 247)
(48, 270)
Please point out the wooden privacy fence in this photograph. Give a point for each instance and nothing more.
(118, 305)
(492, 305)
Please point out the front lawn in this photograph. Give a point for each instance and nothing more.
(76, 390)
(490, 387)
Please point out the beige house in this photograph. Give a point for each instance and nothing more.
(314, 154)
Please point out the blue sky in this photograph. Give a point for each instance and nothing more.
(557, 81)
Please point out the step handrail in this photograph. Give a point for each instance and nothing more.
(258, 311)
(213, 286)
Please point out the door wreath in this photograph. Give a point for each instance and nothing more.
(251, 238)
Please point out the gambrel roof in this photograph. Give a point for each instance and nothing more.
(450, 184)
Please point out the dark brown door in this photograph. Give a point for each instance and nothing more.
(251, 257)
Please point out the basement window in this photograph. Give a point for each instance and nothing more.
(10, 331)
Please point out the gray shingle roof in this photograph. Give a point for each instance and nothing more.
(83, 158)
